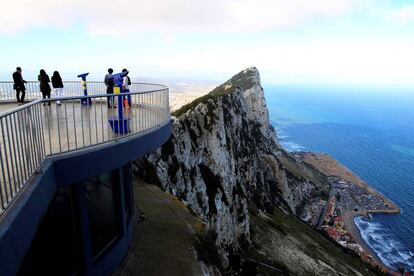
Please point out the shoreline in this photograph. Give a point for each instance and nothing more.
(353, 229)
(331, 167)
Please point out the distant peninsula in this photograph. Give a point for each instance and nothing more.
(377, 203)
(349, 197)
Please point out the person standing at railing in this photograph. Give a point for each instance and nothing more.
(57, 84)
(44, 85)
(19, 85)
(109, 82)
(126, 82)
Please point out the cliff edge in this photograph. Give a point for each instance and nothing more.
(223, 160)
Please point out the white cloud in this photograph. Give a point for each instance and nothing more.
(341, 61)
(403, 15)
(109, 17)
(312, 57)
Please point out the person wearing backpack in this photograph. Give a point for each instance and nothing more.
(57, 84)
(126, 82)
(109, 82)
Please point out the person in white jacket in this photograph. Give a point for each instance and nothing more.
(126, 82)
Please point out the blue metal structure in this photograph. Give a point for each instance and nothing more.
(24, 219)
(56, 164)
(119, 124)
(85, 88)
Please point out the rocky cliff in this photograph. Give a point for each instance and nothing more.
(223, 157)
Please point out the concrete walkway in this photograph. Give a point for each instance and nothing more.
(164, 238)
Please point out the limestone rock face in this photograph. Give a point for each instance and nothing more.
(223, 156)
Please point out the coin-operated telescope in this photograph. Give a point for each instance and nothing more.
(118, 80)
(120, 123)
(87, 101)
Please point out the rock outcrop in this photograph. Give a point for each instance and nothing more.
(223, 157)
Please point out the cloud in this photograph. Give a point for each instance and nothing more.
(341, 61)
(403, 15)
(124, 16)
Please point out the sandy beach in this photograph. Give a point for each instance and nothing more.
(351, 227)
(332, 167)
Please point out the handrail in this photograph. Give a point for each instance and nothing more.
(71, 88)
(31, 133)
(17, 108)
(78, 82)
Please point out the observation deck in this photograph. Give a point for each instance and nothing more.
(44, 148)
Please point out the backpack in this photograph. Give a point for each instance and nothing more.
(129, 80)
(109, 81)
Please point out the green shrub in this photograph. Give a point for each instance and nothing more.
(206, 248)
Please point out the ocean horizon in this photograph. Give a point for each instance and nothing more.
(372, 133)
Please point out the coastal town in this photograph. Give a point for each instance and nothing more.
(348, 198)
(345, 197)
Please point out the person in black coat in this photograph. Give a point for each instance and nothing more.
(109, 82)
(57, 84)
(44, 85)
(19, 85)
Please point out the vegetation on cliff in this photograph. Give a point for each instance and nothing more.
(242, 80)
(285, 242)
(222, 159)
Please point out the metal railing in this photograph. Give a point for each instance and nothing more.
(29, 134)
(71, 89)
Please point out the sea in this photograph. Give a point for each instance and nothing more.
(369, 130)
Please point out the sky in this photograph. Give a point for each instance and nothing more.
(329, 42)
